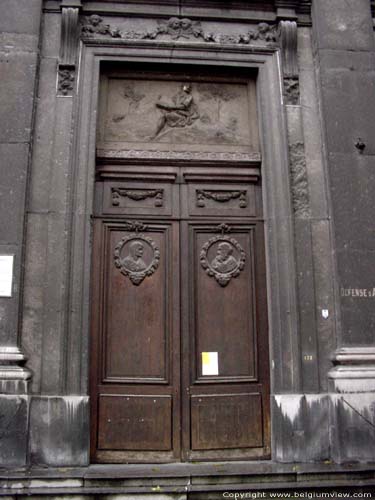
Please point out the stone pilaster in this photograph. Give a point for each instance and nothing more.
(301, 205)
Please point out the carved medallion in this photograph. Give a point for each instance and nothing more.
(137, 256)
(222, 258)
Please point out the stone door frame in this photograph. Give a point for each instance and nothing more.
(280, 261)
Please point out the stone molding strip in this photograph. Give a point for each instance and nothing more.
(179, 155)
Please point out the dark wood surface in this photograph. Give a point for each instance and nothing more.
(178, 274)
(142, 409)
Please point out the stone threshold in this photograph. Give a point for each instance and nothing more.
(186, 478)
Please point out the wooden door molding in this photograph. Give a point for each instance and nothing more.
(135, 341)
(228, 320)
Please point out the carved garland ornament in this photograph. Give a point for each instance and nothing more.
(224, 266)
(220, 196)
(137, 195)
(133, 264)
(180, 28)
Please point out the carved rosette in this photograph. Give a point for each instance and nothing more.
(130, 260)
(225, 265)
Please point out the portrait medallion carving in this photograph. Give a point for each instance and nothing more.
(137, 256)
(223, 258)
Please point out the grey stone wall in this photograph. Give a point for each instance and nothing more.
(344, 55)
(19, 51)
(19, 57)
(323, 352)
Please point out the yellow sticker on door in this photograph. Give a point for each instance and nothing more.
(210, 363)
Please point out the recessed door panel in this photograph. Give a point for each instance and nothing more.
(226, 409)
(129, 422)
(135, 343)
(223, 301)
(222, 422)
(136, 323)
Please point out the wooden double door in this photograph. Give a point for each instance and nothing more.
(179, 350)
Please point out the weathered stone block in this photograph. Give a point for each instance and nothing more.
(17, 92)
(323, 279)
(51, 35)
(357, 296)
(34, 295)
(353, 426)
(304, 46)
(301, 430)
(13, 430)
(59, 430)
(348, 94)
(14, 158)
(346, 60)
(352, 180)
(343, 25)
(20, 16)
(9, 305)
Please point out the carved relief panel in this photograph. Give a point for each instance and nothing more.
(178, 115)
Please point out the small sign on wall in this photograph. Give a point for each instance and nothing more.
(6, 275)
(210, 363)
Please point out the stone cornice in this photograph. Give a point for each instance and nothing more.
(239, 11)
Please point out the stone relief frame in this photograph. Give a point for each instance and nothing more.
(281, 282)
(183, 117)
